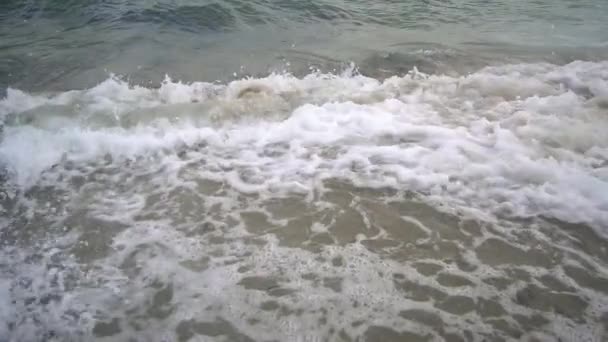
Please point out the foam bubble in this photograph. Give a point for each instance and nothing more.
(518, 140)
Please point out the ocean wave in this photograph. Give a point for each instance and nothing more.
(515, 140)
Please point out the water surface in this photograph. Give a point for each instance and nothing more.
(303, 170)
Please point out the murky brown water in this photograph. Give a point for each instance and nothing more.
(201, 260)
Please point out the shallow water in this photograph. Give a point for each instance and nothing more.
(314, 171)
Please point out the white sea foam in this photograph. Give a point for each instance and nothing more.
(516, 140)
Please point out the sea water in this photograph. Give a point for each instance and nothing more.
(303, 170)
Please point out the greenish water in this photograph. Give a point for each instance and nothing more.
(62, 45)
(303, 170)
